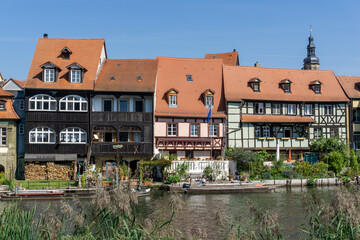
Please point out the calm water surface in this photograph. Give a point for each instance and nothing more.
(199, 210)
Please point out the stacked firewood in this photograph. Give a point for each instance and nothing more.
(48, 171)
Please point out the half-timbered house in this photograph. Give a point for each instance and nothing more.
(58, 87)
(122, 111)
(268, 107)
(186, 91)
(351, 86)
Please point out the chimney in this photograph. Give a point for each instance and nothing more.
(234, 50)
(45, 35)
(257, 64)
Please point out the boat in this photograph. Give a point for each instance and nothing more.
(141, 192)
(32, 194)
(227, 188)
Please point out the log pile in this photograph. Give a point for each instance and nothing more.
(48, 171)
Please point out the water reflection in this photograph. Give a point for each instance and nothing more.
(199, 210)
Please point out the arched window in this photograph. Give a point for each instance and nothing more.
(73, 135)
(73, 103)
(42, 102)
(42, 135)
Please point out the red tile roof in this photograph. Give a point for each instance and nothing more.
(230, 58)
(9, 112)
(84, 51)
(122, 75)
(206, 74)
(275, 119)
(349, 86)
(236, 80)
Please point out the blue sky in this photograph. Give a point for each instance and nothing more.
(275, 33)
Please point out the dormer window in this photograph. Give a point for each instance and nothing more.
(76, 72)
(50, 71)
(254, 83)
(189, 78)
(315, 86)
(139, 78)
(172, 97)
(208, 95)
(65, 53)
(285, 85)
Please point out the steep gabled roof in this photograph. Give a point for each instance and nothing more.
(351, 85)
(230, 58)
(236, 80)
(206, 74)
(127, 75)
(84, 51)
(20, 84)
(9, 112)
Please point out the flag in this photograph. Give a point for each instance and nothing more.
(209, 115)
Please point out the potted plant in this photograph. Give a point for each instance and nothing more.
(125, 171)
(147, 181)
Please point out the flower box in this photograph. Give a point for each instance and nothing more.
(300, 138)
(261, 138)
(270, 138)
(285, 138)
(147, 183)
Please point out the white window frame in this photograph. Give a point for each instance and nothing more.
(3, 136)
(21, 128)
(71, 102)
(261, 108)
(213, 130)
(209, 100)
(69, 135)
(308, 109)
(276, 108)
(49, 74)
(328, 110)
(287, 87)
(258, 131)
(2, 105)
(42, 132)
(317, 132)
(172, 100)
(194, 129)
(75, 76)
(172, 129)
(42, 99)
(291, 109)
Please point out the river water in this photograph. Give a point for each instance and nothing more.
(199, 210)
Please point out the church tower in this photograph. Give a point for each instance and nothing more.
(311, 62)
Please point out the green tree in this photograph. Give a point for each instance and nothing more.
(336, 161)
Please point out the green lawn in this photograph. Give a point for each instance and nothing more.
(40, 184)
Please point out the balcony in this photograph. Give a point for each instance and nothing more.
(39, 116)
(134, 117)
(215, 143)
(122, 148)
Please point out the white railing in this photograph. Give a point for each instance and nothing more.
(196, 168)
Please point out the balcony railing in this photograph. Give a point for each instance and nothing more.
(122, 148)
(121, 117)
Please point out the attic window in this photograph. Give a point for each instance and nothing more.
(172, 97)
(189, 78)
(76, 72)
(65, 53)
(112, 78)
(315, 86)
(50, 71)
(285, 85)
(139, 78)
(209, 98)
(254, 83)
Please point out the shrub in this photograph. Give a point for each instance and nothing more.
(321, 169)
(288, 173)
(304, 168)
(311, 182)
(266, 175)
(208, 171)
(278, 167)
(182, 170)
(336, 161)
(172, 179)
